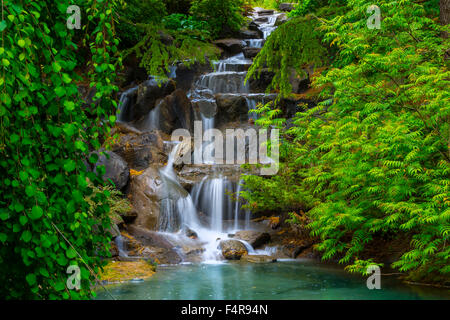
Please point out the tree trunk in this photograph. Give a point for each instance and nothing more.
(445, 12)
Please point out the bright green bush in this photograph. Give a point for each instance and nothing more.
(224, 16)
(136, 12)
(46, 130)
(372, 160)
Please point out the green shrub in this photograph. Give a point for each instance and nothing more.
(223, 16)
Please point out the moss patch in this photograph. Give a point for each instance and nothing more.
(118, 271)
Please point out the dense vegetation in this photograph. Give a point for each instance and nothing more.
(47, 129)
(371, 161)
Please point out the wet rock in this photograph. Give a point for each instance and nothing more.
(132, 71)
(258, 259)
(144, 195)
(255, 27)
(158, 247)
(282, 18)
(260, 84)
(116, 169)
(292, 250)
(231, 107)
(250, 53)
(262, 20)
(264, 12)
(255, 238)
(176, 112)
(114, 231)
(172, 112)
(232, 249)
(113, 250)
(191, 233)
(231, 46)
(249, 34)
(141, 149)
(147, 94)
(129, 217)
(286, 7)
(186, 75)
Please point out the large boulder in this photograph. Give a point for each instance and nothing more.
(140, 150)
(286, 7)
(172, 112)
(282, 18)
(255, 27)
(148, 93)
(264, 12)
(144, 195)
(116, 169)
(232, 249)
(255, 238)
(249, 34)
(152, 245)
(250, 53)
(231, 46)
(261, 82)
(185, 75)
(231, 107)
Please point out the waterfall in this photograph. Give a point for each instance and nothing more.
(237, 206)
(209, 210)
(124, 103)
(177, 210)
(225, 82)
(120, 246)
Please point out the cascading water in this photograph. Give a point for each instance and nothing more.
(124, 104)
(221, 214)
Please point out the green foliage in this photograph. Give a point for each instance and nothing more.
(282, 57)
(373, 158)
(46, 130)
(135, 12)
(117, 203)
(224, 16)
(267, 4)
(181, 22)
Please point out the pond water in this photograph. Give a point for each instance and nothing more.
(286, 280)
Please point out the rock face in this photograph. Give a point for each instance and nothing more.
(250, 53)
(258, 259)
(282, 18)
(176, 112)
(287, 7)
(172, 112)
(140, 150)
(265, 12)
(153, 245)
(255, 27)
(116, 169)
(259, 84)
(255, 238)
(249, 34)
(144, 193)
(148, 94)
(185, 76)
(231, 107)
(232, 249)
(231, 46)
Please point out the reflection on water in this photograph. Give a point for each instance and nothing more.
(276, 281)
